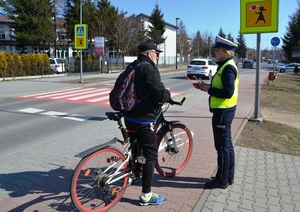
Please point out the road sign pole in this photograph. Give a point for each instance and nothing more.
(257, 88)
(81, 71)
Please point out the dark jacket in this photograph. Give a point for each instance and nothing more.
(228, 77)
(148, 83)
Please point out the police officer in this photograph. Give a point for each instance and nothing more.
(223, 98)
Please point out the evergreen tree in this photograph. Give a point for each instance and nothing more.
(221, 33)
(291, 40)
(33, 21)
(241, 50)
(197, 44)
(72, 16)
(158, 26)
(107, 16)
(229, 37)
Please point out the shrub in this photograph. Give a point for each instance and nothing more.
(3, 65)
(15, 65)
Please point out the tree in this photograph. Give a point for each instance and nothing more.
(229, 37)
(107, 18)
(183, 47)
(157, 27)
(72, 16)
(241, 50)
(207, 37)
(291, 40)
(221, 33)
(127, 34)
(33, 21)
(197, 43)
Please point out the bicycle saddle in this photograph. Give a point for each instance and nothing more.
(116, 116)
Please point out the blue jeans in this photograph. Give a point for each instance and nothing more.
(221, 123)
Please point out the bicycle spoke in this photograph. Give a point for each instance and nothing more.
(99, 180)
(174, 155)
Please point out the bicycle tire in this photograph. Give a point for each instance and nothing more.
(89, 191)
(168, 162)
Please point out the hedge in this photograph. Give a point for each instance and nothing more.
(15, 65)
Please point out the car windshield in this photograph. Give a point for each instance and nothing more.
(59, 61)
(198, 62)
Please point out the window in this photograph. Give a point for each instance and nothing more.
(2, 35)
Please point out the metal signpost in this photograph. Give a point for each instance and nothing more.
(99, 50)
(258, 16)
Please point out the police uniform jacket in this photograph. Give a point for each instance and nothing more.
(228, 78)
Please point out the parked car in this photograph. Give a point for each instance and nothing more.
(287, 67)
(201, 68)
(56, 65)
(247, 64)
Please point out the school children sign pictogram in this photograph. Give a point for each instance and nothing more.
(80, 36)
(259, 16)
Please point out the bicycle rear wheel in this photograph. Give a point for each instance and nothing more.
(90, 186)
(169, 162)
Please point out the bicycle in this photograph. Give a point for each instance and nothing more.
(102, 175)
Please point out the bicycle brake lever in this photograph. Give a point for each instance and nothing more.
(181, 102)
(172, 102)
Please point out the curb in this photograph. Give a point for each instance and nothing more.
(203, 198)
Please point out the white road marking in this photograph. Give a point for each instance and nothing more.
(73, 117)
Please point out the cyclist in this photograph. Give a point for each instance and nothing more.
(140, 119)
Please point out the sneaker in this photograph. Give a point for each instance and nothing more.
(153, 199)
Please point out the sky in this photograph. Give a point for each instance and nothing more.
(210, 16)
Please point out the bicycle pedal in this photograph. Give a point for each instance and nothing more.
(141, 160)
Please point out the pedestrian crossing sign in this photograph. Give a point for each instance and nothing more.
(259, 16)
(80, 31)
(80, 36)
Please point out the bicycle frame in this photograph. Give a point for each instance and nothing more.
(112, 179)
(109, 180)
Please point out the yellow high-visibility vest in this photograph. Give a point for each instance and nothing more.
(223, 103)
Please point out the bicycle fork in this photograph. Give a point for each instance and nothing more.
(171, 142)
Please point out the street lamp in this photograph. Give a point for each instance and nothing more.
(176, 41)
(198, 49)
(209, 44)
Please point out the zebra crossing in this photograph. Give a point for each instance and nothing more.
(80, 95)
(96, 96)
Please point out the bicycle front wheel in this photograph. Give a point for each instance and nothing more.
(171, 161)
(96, 184)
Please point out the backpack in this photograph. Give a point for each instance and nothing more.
(123, 95)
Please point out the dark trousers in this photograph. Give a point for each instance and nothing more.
(147, 138)
(221, 123)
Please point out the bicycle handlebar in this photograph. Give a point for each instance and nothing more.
(172, 102)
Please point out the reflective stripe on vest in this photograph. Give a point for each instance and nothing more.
(223, 103)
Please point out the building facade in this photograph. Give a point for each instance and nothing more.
(64, 48)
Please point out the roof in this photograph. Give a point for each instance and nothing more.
(4, 19)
